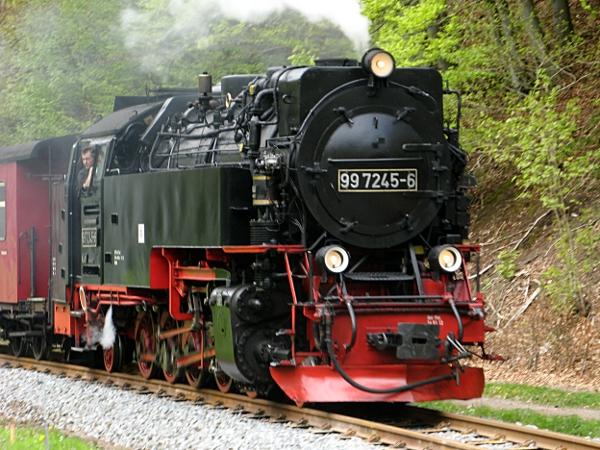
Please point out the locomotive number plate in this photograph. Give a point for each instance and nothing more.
(377, 180)
(89, 237)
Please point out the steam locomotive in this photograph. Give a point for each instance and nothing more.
(303, 230)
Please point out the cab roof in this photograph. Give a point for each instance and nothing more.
(56, 146)
(118, 120)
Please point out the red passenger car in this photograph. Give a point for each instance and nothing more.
(27, 172)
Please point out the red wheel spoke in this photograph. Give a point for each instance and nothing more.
(146, 348)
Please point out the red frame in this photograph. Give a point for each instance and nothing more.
(377, 369)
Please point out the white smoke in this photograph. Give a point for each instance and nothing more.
(109, 332)
(93, 335)
(155, 35)
(345, 14)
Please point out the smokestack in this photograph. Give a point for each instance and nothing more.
(204, 84)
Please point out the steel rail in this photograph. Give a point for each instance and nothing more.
(541, 438)
(394, 435)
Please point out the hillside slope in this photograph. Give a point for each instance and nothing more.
(543, 341)
(528, 72)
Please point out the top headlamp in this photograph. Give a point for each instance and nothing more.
(379, 62)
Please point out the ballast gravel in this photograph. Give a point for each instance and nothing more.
(131, 420)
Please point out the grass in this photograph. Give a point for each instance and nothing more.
(543, 395)
(572, 425)
(30, 438)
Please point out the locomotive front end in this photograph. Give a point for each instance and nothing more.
(389, 308)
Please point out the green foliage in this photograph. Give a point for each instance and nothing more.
(301, 57)
(521, 115)
(557, 288)
(563, 281)
(588, 237)
(585, 4)
(456, 37)
(537, 138)
(402, 29)
(507, 266)
(224, 46)
(64, 61)
(65, 66)
(578, 254)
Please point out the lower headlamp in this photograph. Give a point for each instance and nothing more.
(333, 258)
(446, 258)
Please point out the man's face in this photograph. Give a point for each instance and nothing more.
(87, 159)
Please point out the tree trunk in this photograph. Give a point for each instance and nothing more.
(5, 4)
(533, 28)
(432, 33)
(563, 26)
(535, 34)
(531, 18)
(506, 36)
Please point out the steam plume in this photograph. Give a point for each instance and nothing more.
(159, 34)
(344, 13)
(109, 332)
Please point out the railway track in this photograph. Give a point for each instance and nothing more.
(397, 426)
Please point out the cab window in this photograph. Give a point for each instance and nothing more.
(90, 164)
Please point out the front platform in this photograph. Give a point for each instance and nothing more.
(324, 384)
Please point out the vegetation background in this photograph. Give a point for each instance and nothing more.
(528, 71)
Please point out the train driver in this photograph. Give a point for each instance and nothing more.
(84, 177)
